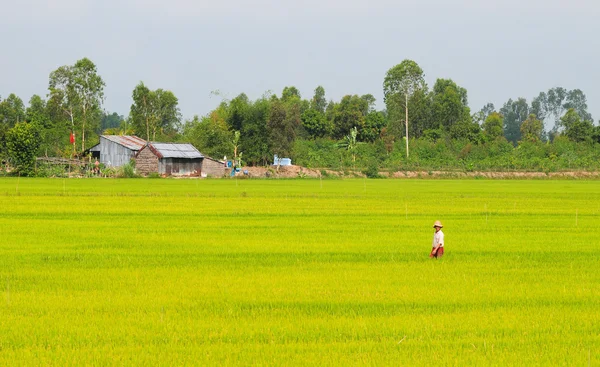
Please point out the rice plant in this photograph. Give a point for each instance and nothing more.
(298, 272)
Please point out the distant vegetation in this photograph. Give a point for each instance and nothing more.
(554, 131)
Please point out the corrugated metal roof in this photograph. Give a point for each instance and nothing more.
(128, 141)
(213, 159)
(175, 150)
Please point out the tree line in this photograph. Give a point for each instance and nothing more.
(70, 118)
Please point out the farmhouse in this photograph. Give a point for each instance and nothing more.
(117, 150)
(169, 159)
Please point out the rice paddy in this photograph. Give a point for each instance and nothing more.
(298, 272)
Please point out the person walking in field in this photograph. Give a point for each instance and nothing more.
(438, 240)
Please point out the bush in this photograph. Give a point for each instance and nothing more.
(128, 170)
(22, 142)
(372, 170)
(50, 170)
(320, 153)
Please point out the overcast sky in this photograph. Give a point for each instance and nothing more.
(496, 49)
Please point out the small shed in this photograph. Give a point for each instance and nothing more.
(213, 167)
(169, 159)
(117, 150)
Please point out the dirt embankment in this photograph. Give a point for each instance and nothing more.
(494, 175)
(282, 172)
(303, 172)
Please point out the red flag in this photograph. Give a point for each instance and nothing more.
(72, 138)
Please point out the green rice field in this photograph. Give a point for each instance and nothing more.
(165, 272)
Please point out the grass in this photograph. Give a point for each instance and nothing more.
(298, 272)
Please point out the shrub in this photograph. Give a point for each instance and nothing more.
(432, 135)
(50, 170)
(23, 142)
(128, 170)
(372, 170)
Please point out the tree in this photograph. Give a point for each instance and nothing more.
(374, 123)
(167, 115)
(514, 112)
(79, 92)
(532, 129)
(210, 134)
(315, 124)
(283, 122)
(52, 134)
(442, 85)
(89, 88)
(577, 101)
(575, 128)
(12, 111)
(63, 101)
(492, 126)
(466, 129)
(401, 82)
(369, 103)
(239, 111)
(483, 114)
(555, 99)
(330, 111)
(154, 112)
(421, 113)
(347, 114)
(110, 121)
(596, 134)
(449, 104)
(36, 112)
(319, 103)
(556, 102)
(250, 120)
(291, 92)
(22, 142)
(539, 106)
(141, 110)
(255, 140)
(58, 126)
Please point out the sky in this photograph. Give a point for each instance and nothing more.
(496, 49)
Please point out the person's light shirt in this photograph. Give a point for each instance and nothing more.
(438, 239)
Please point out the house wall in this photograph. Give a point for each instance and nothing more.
(146, 162)
(213, 168)
(180, 166)
(113, 154)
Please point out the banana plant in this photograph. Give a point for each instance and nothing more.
(350, 144)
